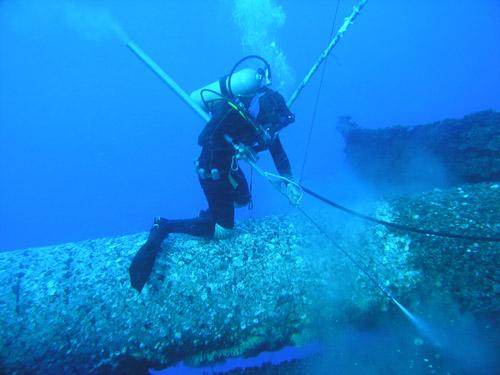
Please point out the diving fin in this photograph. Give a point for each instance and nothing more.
(142, 264)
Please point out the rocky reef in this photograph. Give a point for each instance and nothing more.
(278, 281)
(444, 153)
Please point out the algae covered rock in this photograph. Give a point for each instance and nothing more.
(444, 153)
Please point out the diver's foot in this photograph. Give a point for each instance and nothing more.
(159, 230)
(142, 265)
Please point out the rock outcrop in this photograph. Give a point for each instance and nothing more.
(279, 281)
(444, 153)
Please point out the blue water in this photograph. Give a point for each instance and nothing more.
(93, 144)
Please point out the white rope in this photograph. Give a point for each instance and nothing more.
(340, 33)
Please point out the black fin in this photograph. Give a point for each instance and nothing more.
(142, 264)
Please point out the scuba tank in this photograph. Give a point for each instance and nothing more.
(244, 82)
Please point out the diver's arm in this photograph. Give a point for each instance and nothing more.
(280, 158)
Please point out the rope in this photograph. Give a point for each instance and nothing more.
(316, 102)
(358, 265)
(271, 177)
(398, 226)
(340, 33)
(250, 204)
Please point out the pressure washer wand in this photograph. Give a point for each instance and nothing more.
(340, 33)
(167, 79)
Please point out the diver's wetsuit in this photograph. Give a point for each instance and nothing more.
(222, 181)
(220, 177)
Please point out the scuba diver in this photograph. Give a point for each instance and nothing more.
(246, 119)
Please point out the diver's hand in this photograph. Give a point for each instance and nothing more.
(244, 152)
(294, 193)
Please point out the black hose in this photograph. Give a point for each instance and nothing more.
(398, 226)
(202, 92)
(261, 132)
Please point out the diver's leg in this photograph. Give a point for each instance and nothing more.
(202, 226)
(220, 194)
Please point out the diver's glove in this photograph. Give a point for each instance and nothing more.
(244, 152)
(294, 193)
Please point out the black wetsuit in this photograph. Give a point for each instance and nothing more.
(222, 181)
